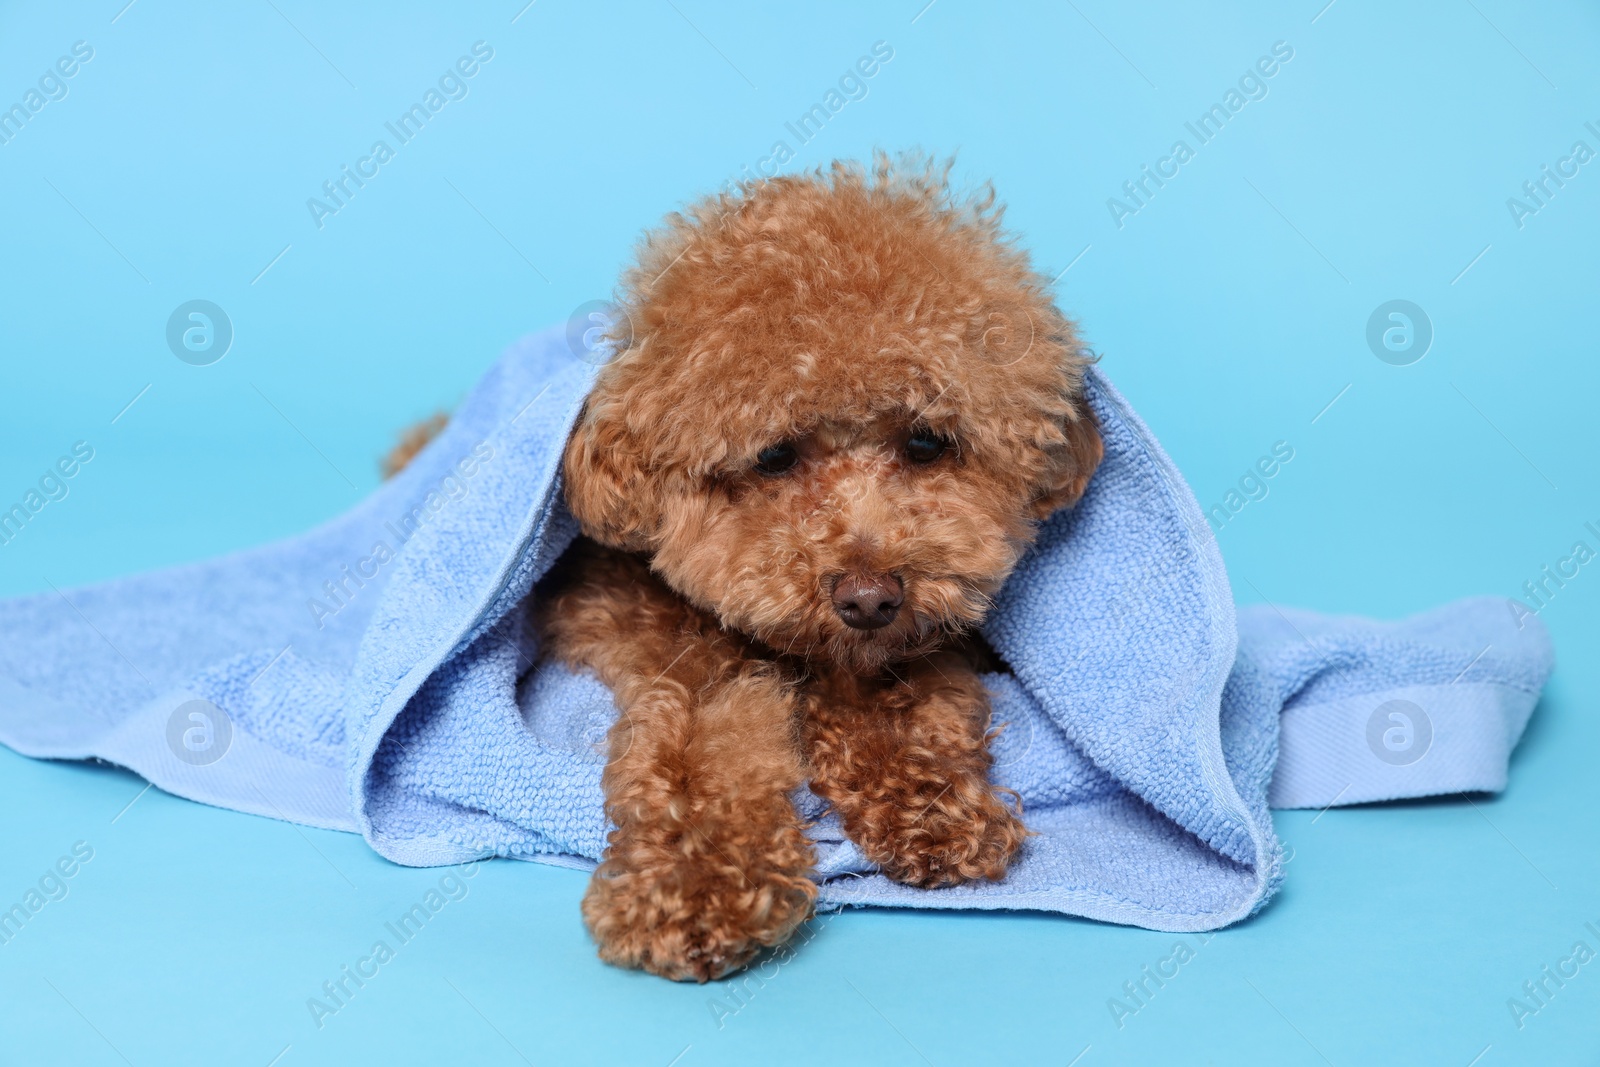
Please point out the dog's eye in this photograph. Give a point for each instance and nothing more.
(924, 446)
(776, 459)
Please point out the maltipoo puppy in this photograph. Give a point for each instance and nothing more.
(840, 408)
(844, 406)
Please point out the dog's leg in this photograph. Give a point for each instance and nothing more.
(708, 863)
(905, 762)
(413, 440)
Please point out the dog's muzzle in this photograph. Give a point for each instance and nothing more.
(868, 601)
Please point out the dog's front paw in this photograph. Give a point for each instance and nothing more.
(692, 920)
(928, 834)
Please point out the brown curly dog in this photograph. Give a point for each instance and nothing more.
(845, 403)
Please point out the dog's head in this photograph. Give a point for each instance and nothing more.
(846, 403)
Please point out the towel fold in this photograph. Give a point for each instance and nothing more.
(377, 675)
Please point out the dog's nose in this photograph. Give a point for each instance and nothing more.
(868, 601)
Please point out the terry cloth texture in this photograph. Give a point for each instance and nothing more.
(376, 675)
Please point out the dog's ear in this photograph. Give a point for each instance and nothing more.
(606, 488)
(1075, 465)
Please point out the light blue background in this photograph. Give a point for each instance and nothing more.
(1231, 310)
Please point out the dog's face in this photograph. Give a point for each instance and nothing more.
(845, 406)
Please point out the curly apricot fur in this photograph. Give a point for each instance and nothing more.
(839, 313)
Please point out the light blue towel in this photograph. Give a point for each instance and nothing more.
(377, 675)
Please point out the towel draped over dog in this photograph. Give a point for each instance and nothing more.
(379, 675)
